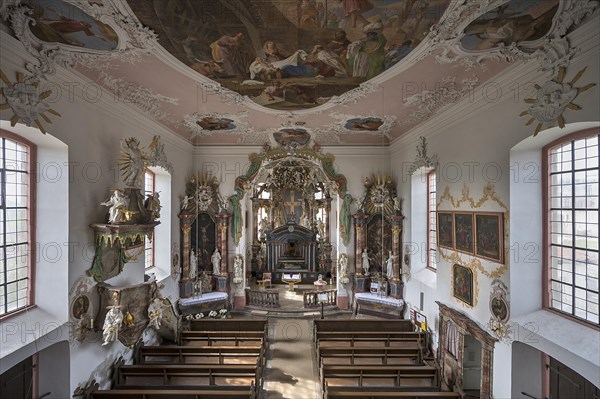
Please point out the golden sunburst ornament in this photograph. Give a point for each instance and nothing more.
(552, 99)
(27, 105)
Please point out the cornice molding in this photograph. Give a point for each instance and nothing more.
(15, 56)
(585, 38)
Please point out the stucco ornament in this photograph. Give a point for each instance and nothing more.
(552, 99)
(26, 103)
(423, 159)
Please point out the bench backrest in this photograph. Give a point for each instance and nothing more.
(363, 325)
(169, 394)
(228, 325)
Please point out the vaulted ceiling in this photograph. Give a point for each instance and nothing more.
(253, 71)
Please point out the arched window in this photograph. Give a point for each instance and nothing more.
(17, 227)
(571, 226)
(149, 188)
(431, 221)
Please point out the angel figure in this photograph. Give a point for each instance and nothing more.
(132, 163)
(155, 312)
(185, 202)
(118, 203)
(221, 202)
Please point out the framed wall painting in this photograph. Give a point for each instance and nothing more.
(445, 229)
(462, 283)
(489, 236)
(463, 232)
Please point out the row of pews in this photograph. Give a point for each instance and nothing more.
(363, 358)
(216, 358)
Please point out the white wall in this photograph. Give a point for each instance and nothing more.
(472, 149)
(92, 131)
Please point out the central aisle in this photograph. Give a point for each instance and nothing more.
(291, 371)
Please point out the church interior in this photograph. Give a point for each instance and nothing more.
(299, 199)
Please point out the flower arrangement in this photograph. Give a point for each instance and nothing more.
(212, 314)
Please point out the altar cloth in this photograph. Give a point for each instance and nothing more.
(374, 304)
(204, 298)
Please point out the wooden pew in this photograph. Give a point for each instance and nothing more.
(359, 337)
(363, 325)
(182, 354)
(163, 374)
(397, 374)
(250, 338)
(171, 393)
(385, 355)
(375, 392)
(238, 325)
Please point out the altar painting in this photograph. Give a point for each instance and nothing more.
(203, 240)
(379, 241)
(290, 55)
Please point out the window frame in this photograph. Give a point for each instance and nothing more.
(149, 243)
(546, 226)
(31, 219)
(430, 247)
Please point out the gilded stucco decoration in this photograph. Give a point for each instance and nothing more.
(489, 194)
(500, 312)
(25, 101)
(552, 99)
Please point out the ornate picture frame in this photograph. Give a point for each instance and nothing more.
(489, 236)
(463, 232)
(445, 229)
(462, 284)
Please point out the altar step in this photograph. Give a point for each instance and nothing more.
(301, 313)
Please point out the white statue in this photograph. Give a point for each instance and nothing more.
(118, 203)
(343, 265)
(185, 202)
(112, 323)
(155, 312)
(321, 227)
(193, 265)
(389, 265)
(365, 261)
(397, 204)
(264, 225)
(216, 261)
(132, 163)
(238, 269)
(221, 203)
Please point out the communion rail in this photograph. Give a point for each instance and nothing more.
(267, 299)
(311, 298)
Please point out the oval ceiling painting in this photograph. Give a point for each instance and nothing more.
(59, 22)
(289, 54)
(513, 22)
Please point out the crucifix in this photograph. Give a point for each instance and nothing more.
(291, 205)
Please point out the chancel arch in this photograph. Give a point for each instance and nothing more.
(289, 192)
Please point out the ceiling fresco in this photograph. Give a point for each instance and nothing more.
(290, 55)
(60, 22)
(292, 72)
(513, 22)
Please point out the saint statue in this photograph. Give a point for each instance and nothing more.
(343, 266)
(193, 265)
(155, 312)
(216, 261)
(238, 269)
(365, 261)
(152, 205)
(118, 203)
(112, 322)
(132, 163)
(397, 204)
(321, 227)
(389, 265)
